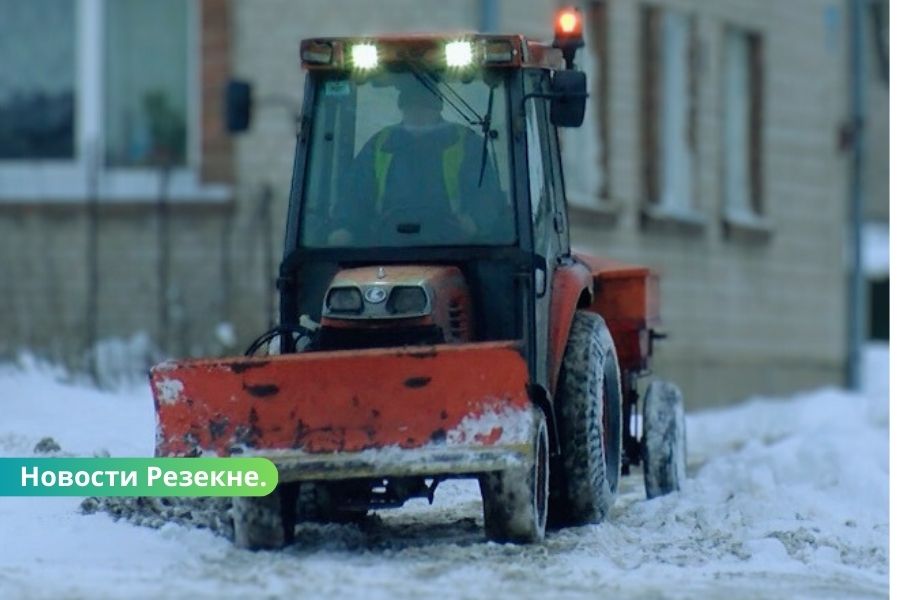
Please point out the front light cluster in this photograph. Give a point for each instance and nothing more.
(344, 300)
(407, 300)
(402, 301)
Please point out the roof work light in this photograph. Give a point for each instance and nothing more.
(364, 56)
(458, 54)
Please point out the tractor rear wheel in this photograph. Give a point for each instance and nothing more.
(265, 522)
(589, 409)
(663, 443)
(515, 500)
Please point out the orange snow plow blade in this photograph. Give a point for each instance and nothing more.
(413, 410)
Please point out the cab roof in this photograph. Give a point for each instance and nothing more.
(490, 50)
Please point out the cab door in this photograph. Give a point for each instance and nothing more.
(547, 210)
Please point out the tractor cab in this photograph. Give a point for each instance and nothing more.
(427, 203)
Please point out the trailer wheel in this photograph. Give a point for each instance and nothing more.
(663, 443)
(265, 522)
(515, 500)
(589, 409)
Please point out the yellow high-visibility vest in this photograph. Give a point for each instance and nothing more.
(452, 161)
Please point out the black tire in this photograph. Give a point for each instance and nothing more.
(589, 413)
(265, 522)
(664, 439)
(515, 500)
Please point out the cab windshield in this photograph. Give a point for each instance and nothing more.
(408, 158)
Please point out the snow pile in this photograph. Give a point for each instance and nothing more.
(786, 498)
(38, 400)
(204, 513)
(117, 362)
(876, 250)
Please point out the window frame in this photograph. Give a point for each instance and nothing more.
(303, 180)
(539, 179)
(754, 201)
(85, 175)
(752, 219)
(651, 40)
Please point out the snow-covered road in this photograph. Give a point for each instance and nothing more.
(787, 498)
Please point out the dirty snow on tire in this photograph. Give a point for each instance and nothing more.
(785, 498)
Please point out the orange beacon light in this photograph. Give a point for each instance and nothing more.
(568, 33)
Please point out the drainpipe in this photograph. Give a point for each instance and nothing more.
(93, 261)
(490, 16)
(857, 166)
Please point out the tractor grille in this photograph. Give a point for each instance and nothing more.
(458, 322)
(333, 338)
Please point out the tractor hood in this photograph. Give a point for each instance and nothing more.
(386, 295)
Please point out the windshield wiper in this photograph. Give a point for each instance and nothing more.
(432, 87)
(486, 130)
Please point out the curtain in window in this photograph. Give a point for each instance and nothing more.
(737, 124)
(674, 147)
(146, 73)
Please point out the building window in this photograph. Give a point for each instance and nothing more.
(669, 119)
(37, 81)
(145, 82)
(97, 98)
(599, 46)
(742, 126)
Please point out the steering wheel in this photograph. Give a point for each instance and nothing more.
(436, 223)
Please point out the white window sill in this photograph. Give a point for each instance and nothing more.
(661, 216)
(746, 226)
(61, 182)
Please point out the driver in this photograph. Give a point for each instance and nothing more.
(423, 165)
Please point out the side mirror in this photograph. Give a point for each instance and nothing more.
(569, 98)
(238, 106)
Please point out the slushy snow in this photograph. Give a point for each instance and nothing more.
(786, 498)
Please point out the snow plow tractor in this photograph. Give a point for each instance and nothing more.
(434, 322)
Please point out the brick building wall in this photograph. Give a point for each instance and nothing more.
(750, 310)
(876, 18)
(753, 308)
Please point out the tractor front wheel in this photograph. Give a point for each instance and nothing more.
(663, 443)
(515, 500)
(589, 410)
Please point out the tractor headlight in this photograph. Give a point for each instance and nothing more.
(407, 300)
(344, 300)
